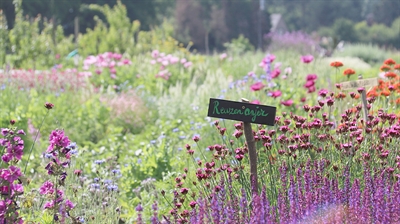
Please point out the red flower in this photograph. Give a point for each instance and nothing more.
(287, 103)
(385, 68)
(49, 106)
(389, 62)
(397, 67)
(257, 86)
(349, 72)
(391, 75)
(336, 64)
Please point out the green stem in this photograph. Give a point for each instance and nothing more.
(34, 141)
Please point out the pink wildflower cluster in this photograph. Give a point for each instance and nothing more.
(59, 152)
(107, 60)
(10, 184)
(54, 80)
(165, 61)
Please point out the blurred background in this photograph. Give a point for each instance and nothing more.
(208, 24)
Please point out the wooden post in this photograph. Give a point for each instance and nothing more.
(76, 30)
(364, 101)
(251, 144)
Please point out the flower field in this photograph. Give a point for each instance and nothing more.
(124, 137)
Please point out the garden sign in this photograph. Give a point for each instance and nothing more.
(242, 111)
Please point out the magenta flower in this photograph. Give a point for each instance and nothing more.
(311, 77)
(287, 103)
(257, 86)
(307, 58)
(255, 102)
(57, 139)
(309, 84)
(46, 188)
(275, 73)
(49, 205)
(69, 204)
(323, 92)
(275, 94)
(11, 174)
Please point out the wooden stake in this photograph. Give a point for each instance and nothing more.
(251, 144)
(364, 101)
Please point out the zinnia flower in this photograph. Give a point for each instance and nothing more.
(349, 72)
(385, 93)
(307, 59)
(397, 67)
(336, 64)
(257, 86)
(389, 62)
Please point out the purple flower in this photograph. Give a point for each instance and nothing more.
(49, 204)
(69, 204)
(57, 139)
(5, 131)
(21, 132)
(307, 59)
(46, 188)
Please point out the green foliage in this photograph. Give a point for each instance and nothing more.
(116, 36)
(239, 45)
(33, 47)
(371, 54)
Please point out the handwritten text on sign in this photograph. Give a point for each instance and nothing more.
(359, 83)
(246, 112)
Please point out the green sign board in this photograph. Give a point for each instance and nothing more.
(239, 111)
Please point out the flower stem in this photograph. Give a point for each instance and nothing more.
(34, 141)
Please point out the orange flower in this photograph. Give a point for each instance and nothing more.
(336, 64)
(385, 68)
(372, 93)
(349, 72)
(398, 101)
(341, 95)
(357, 96)
(385, 93)
(389, 62)
(391, 75)
(397, 67)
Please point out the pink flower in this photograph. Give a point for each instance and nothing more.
(257, 86)
(187, 64)
(174, 60)
(255, 102)
(49, 205)
(275, 73)
(57, 139)
(69, 204)
(223, 56)
(46, 188)
(155, 53)
(183, 60)
(117, 56)
(311, 77)
(288, 71)
(287, 102)
(309, 84)
(307, 58)
(268, 59)
(275, 94)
